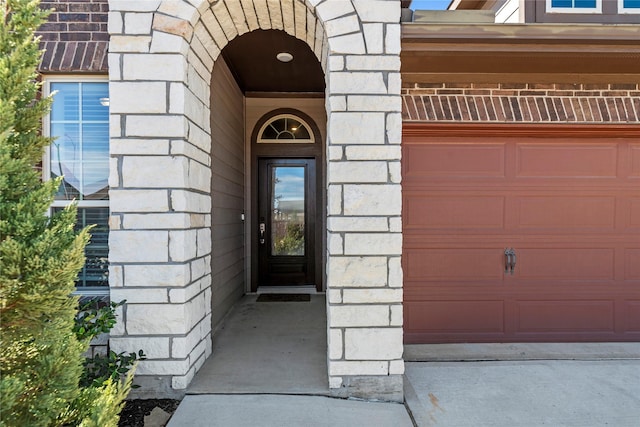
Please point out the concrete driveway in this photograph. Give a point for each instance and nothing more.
(556, 393)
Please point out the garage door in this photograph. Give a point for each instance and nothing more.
(516, 234)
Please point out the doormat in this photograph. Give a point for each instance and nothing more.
(284, 298)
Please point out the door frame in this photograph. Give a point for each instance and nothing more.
(289, 151)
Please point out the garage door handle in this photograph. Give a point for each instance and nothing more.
(513, 261)
(509, 260)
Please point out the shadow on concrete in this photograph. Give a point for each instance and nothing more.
(268, 347)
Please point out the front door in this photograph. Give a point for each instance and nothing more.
(286, 222)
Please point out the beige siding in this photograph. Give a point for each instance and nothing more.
(258, 107)
(227, 188)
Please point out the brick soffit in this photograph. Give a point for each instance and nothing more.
(526, 109)
(76, 56)
(522, 103)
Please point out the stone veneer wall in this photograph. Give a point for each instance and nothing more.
(160, 62)
(522, 102)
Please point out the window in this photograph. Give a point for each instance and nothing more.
(79, 120)
(574, 6)
(629, 6)
(285, 128)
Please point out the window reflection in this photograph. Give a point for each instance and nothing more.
(80, 152)
(288, 215)
(79, 122)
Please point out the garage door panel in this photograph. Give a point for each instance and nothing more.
(565, 212)
(451, 290)
(460, 212)
(566, 160)
(634, 214)
(632, 264)
(455, 316)
(558, 263)
(632, 315)
(454, 264)
(567, 316)
(454, 160)
(634, 161)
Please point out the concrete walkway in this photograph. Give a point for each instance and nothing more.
(268, 347)
(285, 411)
(269, 369)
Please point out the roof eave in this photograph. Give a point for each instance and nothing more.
(416, 33)
(533, 49)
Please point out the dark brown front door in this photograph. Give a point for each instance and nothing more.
(287, 222)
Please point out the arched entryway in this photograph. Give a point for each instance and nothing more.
(268, 126)
(163, 237)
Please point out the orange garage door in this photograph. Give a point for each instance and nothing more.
(519, 234)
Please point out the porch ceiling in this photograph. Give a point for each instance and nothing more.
(252, 59)
(547, 51)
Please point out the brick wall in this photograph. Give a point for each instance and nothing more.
(75, 38)
(522, 102)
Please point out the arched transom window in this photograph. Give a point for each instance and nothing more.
(285, 128)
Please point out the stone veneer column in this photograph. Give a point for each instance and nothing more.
(364, 288)
(161, 56)
(160, 240)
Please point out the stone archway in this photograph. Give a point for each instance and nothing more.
(161, 58)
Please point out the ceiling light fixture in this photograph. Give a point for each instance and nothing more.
(284, 57)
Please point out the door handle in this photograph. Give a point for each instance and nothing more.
(509, 261)
(514, 258)
(263, 229)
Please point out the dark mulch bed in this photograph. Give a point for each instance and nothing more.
(135, 410)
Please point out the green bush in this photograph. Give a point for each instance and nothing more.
(95, 318)
(41, 357)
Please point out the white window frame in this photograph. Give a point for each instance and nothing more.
(626, 10)
(311, 139)
(595, 10)
(46, 160)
